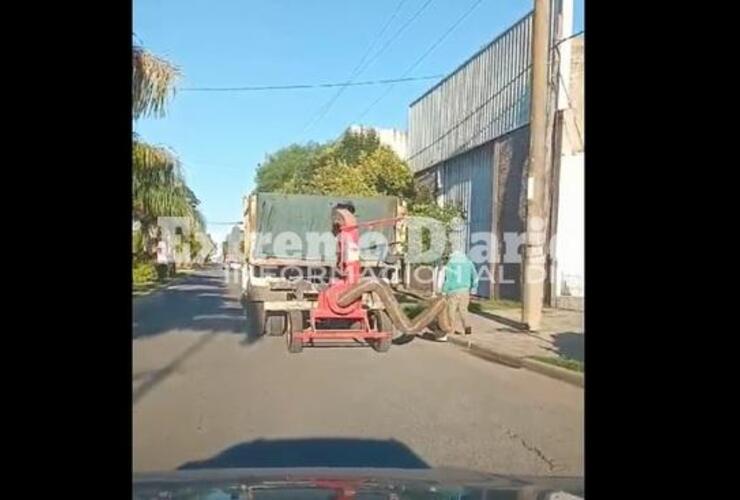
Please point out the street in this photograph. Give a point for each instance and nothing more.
(206, 394)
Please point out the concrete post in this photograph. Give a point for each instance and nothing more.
(534, 258)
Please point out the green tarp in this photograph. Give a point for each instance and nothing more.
(278, 215)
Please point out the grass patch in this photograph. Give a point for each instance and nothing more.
(143, 288)
(493, 304)
(143, 272)
(567, 363)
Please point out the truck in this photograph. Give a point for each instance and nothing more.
(290, 253)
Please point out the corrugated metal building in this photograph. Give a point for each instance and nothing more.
(487, 96)
(469, 139)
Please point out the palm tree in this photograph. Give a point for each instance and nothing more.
(159, 188)
(153, 83)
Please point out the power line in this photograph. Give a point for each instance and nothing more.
(442, 38)
(424, 55)
(308, 85)
(379, 36)
(355, 72)
(398, 33)
(390, 41)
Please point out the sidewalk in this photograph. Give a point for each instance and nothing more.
(561, 333)
(497, 334)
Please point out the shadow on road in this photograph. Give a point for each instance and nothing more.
(202, 302)
(570, 345)
(199, 303)
(314, 452)
(156, 376)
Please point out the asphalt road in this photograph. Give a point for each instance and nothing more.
(206, 394)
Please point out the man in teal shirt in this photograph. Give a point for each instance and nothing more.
(460, 280)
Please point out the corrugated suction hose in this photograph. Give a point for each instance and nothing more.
(437, 309)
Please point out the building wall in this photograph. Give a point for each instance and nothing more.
(570, 232)
(489, 185)
(467, 183)
(574, 111)
(570, 235)
(453, 132)
(470, 134)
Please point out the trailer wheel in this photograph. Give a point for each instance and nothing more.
(295, 344)
(382, 323)
(382, 345)
(275, 325)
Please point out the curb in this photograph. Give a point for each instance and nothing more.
(562, 374)
(486, 353)
(569, 376)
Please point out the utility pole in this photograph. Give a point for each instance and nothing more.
(534, 256)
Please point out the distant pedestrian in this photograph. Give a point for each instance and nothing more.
(460, 280)
(162, 260)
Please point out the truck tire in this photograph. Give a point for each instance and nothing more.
(295, 345)
(275, 324)
(382, 323)
(255, 312)
(253, 300)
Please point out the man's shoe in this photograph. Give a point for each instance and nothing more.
(468, 330)
(443, 338)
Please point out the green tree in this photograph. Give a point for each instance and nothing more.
(384, 171)
(422, 203)
(376, 170)
(355, 164)
(353, 144)
(159, 189)
(335, 177)
(195, 245)
(289, 164)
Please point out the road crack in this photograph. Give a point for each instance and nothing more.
(513, 435)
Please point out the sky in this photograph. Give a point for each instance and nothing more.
(221, 137)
